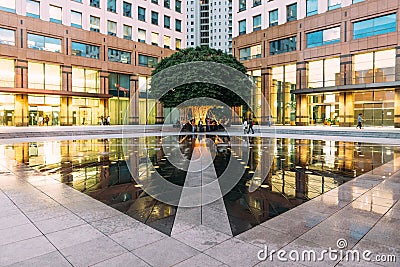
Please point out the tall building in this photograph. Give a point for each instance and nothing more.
(76, 62)
(322, 62)
(209, 23)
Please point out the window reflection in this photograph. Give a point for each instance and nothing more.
(7, 72)
(7, 36)
(384, 71)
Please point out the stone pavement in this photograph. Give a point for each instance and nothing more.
(44, 222)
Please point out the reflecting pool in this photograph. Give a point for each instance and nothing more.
(300, 170)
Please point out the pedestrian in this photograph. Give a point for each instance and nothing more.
(207, 124)
(108, 120)
(101, 120)
(200, 125)
(269, 120)
(193, 125)
(245, 126)
(359, 121)
(251, 123)
(46, 120)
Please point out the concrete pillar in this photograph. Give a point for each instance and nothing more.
(65, 111)
(21, 73)
(159, 113)
(21, 114)
(346, 69)
(346, 109)
(66, 76)
(397, 68)
(397, 108)
(302, 116)
(22, 152)
(134, 100)
(265, 92)
(103, 82)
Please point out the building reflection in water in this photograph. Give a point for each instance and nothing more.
(300, 170)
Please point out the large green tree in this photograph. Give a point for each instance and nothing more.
(188, 91)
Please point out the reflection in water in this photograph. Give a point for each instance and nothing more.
(301, 170)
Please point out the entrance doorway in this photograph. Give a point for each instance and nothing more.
(377, 114)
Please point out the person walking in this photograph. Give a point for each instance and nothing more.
(251, 123)
(193, 125)
(108, 120)
(200, 125)
(245, 126)
(46, 120)
(359, 121)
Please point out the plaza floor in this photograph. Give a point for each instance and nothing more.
(44, 222)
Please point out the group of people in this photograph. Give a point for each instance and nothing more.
(207, 125)
(105, 120)
(41, 121)
(247, 126)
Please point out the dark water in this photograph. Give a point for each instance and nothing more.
(301, 170)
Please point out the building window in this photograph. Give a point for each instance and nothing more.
(119, 56)
(256, 23)
(282, 46)
(76, 19)
(154, 18)
(154, 38)
(242, 27)
(33, 9)
(178, 6)
(111, 28)
(178, 25)
(250, 52)
(7, 36)
(127, 9)
(94, 24)
(178, 44)
(334, 4)
(141, 14)
(55, 14)
(242, 5)
(167, 41)
(312, 7)
(85, 50)
(374, 67)
(167, 3)
(44, 43)
(7, 72)
(154, 2)
(85, 80)
(167, 22)
(147, 61)
(7, 5)
(119, 85)
(291, 12)
(273, 18)
(256, 3)
(324, 73)
(112, 6)
(357, 1)
(95, 3)
(141, 36)
(374, 26)
(44, 76)
(324, 37)
(127, 32)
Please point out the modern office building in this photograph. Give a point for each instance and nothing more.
(76, 62)
(322, 61)
(209, 23)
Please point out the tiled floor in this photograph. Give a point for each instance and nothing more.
(44, 222)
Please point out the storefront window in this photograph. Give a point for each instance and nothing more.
(384, 63)
(7, 109)
(119, 87)
(7, 36)
(316, 74)
(85, 80)
(7, 73)
(324, 73)
(256, 94)
(44, 76)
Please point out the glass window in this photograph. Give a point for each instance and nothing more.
(44, 76)
(316, 74)
(357, 1)
(178, 25)
(154, 2)
(324, 37)
(147, 61)
(55, 14)
(250, 52)
(7, 72)
(167, 41)
(127, 32)
(273, 18)
(244, 53)
(242, 5)
(374, 67)
(94, 24)
(167, 22)
(85, 80)
(256, 3)
(112, 6)
(363, 65)
(333, 4)
(256, 23)
(324, 73)
(167, 3)
(40, 42)
(127, 9)
(154, 18)
(112, 28)
(312, 7)
(178, 6)
(95, 3)
(141, 36)
(85, 50)
(33, 9)
(7, 36)
(7, 5)
(76, 19)
(291, 12)
(242, 27)
(119, 84)
(374, 26)
(119, 56)
(141, 14)
(154, 38)
(282, 46)
(178, 44)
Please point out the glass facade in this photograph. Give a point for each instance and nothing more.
(256, 23)
(312, 7)
(33, 9)
(324, 108)
(7, 5)
(374, 26)
(119, 87)
(85, 50)
(256, 95)
(55, 14)
(147, 61)
(44, 76)
(324, 73)
(44, 43)
(374, 67)
(85, 80)
(7, 36)
(282, 46)
(273, 18)
(119, 56)
(7, 72)
(323, 37)
(7, 107)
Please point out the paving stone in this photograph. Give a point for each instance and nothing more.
(50, 259)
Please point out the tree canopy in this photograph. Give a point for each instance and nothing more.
(188, 91)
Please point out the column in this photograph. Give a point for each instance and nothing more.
(346, 109)
(21, 73)
(134, 100)
(397, 108)
(302, 115)
(265, 96)
(159, 113)
(21, 114)
(65, 111)
(346, 69)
